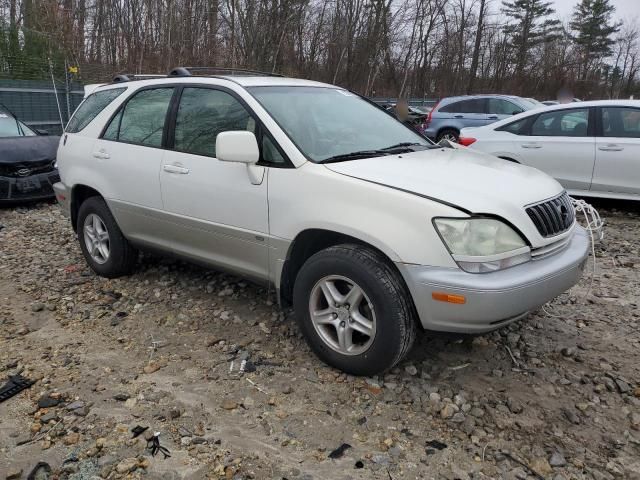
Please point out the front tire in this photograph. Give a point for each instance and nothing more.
(449, 134)
(354, 309)
(103, 245)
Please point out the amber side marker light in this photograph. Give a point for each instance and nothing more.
(449, 298)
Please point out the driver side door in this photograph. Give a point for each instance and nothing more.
(216, 214)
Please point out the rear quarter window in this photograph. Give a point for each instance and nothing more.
(91, 107)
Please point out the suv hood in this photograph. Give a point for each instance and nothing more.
(472, 181)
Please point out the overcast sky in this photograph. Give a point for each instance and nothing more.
(625, 9)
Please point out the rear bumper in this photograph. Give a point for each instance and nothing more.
(29, 188)
(64, 200)
(498, 298)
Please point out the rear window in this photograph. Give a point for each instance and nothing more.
(91, 107)
(517, 127)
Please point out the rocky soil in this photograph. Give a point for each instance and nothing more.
(210, 362)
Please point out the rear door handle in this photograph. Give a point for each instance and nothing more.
(492, 117)
(101, 154)
(531, 145)
(458, 116)
(175, 169)
(610, 148)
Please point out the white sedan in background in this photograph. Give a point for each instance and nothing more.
(591, 148)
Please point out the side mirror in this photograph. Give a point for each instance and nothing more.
(515, 112)
(237, 146)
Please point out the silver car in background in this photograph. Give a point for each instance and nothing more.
(452, 114)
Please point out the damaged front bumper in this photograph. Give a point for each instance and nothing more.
(38, 186)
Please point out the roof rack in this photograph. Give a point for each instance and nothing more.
(128, 77)
(190, 71)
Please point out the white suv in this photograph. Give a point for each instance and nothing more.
(369, 230)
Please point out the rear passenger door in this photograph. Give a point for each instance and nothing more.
(129, 154)
(468, 113)
(617, 166)
(215, 213)
(562, 144)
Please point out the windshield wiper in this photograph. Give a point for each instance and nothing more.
(402, 144)
(356, 155)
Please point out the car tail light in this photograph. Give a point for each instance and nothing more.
(466, 141)
(428, 120)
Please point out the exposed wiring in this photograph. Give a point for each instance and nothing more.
(595, 226)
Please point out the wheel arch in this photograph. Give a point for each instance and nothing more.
(312, 240)
(80, 193)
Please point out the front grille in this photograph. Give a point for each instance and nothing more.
(554, 216)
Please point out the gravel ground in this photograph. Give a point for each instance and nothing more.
(556, 396)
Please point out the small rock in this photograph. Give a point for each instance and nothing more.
(557, 460)
(37, 307)
(121, 397)
(541, 465)
(623, 387)
(46, 401)
(151, 367)
(75, 405)
(411, 370)
(229, 404)
(71, 439)
(568, 352)
(447, 411)
(127, 465)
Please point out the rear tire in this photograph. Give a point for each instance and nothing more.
(449, 134)
(103, 245)
(361, 332)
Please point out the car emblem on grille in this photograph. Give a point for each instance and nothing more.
(23, 172)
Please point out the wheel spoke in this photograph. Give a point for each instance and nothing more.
(89, 232)
(323, 317)
(96, 223)
(331, 293)
(104, 250)
(354, 297)
(345, 340)
(361, 324)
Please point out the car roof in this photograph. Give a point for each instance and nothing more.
(245, 81)
(481, 95)
(563, 106)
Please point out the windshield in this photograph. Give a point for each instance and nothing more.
(326, 123)
(531, 103)
(10, 127)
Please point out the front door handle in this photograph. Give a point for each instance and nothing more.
(175, 169)
(101, 154)
(492, 117)
(531, 145)
(458, 116)
(612, 147)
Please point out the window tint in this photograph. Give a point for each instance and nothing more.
(451, 108)
(91, 107)
(514, 127)
(499, 106)
(203, 114)
(142, 120)
(562, 123)
(621, 122)
(475, 105)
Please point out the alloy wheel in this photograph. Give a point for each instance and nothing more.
(96, 238)
(342, 315)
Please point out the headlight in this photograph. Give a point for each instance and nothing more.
(480, 245)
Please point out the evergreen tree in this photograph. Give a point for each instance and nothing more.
(594, 29)
(530, 26)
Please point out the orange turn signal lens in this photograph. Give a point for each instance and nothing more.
(449, 298)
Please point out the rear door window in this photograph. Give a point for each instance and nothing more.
(517, 127)
(562, 123)
(499, 106)
(621, 122)
(91, 107)
(142, 119)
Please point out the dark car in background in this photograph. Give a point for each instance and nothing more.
(452, 114)
(27, 162)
